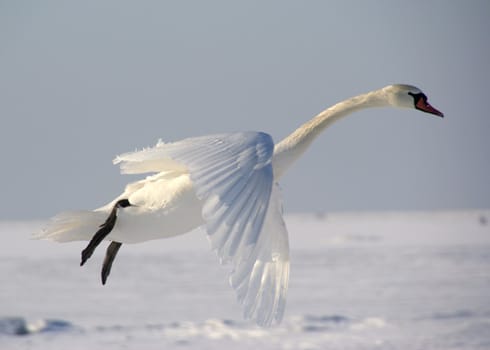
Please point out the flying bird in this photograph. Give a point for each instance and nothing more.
(226, 183)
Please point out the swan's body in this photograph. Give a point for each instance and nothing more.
(226, 183)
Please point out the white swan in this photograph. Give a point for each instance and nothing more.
(227, 183)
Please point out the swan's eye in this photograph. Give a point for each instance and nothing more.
(418, 98)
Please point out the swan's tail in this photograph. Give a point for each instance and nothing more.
(72, 226)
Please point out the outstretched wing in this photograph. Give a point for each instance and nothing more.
(232, 175)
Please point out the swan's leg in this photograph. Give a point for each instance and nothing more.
(103, 231)
(110, 255)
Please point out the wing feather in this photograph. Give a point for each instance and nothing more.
(261, 282)
(232, 175)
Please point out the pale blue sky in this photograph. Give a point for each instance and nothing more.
(82, 81)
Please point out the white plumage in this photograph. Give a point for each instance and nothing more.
(227, 183)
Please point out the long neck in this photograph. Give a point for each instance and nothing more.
(293, 146)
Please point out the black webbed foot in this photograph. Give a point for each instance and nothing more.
(103, 231)
(110, 255)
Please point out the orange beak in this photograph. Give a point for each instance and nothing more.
(426, 107)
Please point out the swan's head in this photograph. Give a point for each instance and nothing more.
(407, 96)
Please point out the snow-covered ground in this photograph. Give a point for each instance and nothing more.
(414, 280)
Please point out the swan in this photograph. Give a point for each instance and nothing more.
(226, 183)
